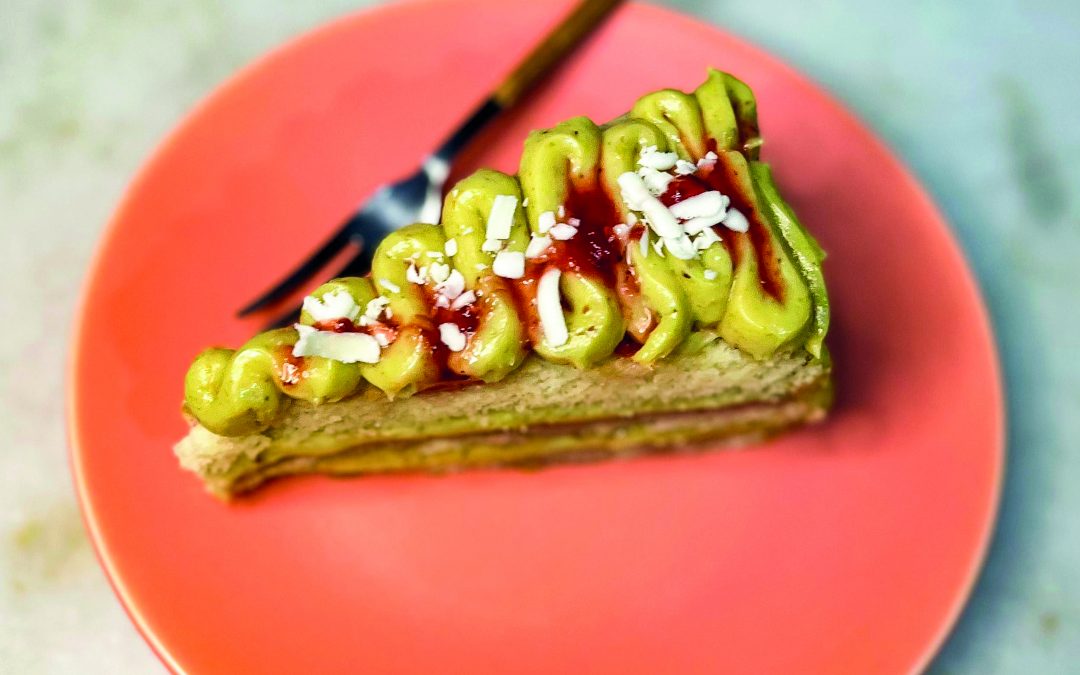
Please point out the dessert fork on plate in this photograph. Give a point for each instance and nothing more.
(418, 197)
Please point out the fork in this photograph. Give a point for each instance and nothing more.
(418, 197)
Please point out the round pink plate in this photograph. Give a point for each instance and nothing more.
(845, 548)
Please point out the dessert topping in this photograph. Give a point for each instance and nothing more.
(374, 310)
(509, 264)
(563, 231)
(463, 300)
(654, 159)
(343, 347)
(638, 197)
(735, 220)
(537, 246)
(452, 337)
(545, 221)
(501, 218)
(685, 168)
(334, 305)
(416, 276)
(451, 287)
(549, 307)
(438, 272)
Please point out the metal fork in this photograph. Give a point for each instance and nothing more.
(418, 197)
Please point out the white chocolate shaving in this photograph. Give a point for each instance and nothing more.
(549, 307)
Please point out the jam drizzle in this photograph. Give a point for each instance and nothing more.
(594, 250)
(467, 320)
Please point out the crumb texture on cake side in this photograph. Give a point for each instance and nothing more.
(616, 395)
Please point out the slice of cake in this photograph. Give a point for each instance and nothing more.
(638, 286)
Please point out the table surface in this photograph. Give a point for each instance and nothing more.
(978, 98)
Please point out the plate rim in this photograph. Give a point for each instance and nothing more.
(856, 126)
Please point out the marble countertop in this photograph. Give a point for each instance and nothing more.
(978, 98)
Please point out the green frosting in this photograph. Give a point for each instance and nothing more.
(755, 321)
(665, 304)
(807, 254)
(554, 162)
(678, 117)
(729, 112)
(499, 344)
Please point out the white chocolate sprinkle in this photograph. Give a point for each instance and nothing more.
(545, 221)
(343, 347)
(708, 160)
(501, 218)
(375, 308)
(537, 246)
(452, 286)
(563, 231)
(636, 196)
(509, 264)
(466, 298)
(439, 272)
(452, 337)
(704, 205)
(549, 307)
(414, 275)
(706, 238)
(735, 220)
(656, 181)
(654, 159)
(337, 304)
(681, 247)
(685, 168)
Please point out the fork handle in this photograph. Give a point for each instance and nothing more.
(584, 18)
(559, 42)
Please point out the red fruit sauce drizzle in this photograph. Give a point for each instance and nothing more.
(467, 320)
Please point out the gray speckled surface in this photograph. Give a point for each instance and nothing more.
(978, 98)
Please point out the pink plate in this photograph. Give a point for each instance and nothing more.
(849, 547)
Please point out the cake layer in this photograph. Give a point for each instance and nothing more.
(543, 411)
(542, 446)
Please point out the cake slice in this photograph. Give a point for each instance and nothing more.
(638, 286)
